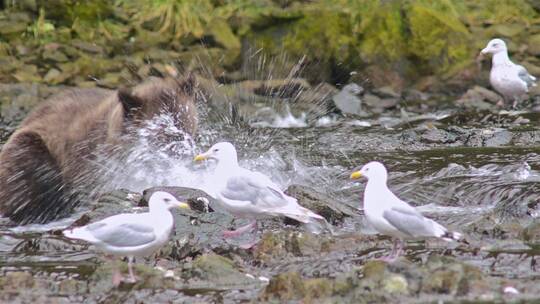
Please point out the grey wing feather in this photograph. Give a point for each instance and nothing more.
(525, 76)
(410, 222)
(243, 188)
(123, 235)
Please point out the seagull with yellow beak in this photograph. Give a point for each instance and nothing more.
(133, 234)
(248, 194)
(391, 216)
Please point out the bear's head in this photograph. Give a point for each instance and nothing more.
(171, 97)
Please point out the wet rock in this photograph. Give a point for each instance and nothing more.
(434, 135)
(108, 204)
(197, 199)
(287, 243)
(17, 281)
(348, 100)
(218, 269)
(479, 98)
(531, 233)
(284, 287)
(447, 275)
(333, 211)
(17, 100)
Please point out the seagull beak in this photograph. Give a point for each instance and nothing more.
(200, 157)
(356, 175)
(484, 51)
(183, 205)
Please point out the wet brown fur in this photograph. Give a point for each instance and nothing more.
(41, 162)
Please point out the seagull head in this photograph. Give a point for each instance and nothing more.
(164, 200)
(223, 151)
(372, 170)
(494, 46)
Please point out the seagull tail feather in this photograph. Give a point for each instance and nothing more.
(79, 233)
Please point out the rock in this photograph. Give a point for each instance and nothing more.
(412, 95)
(531, 233)
(434, 135)
(479, 98)
(217, 268)
(88, 47)
(28, 73)
(53, 53)
(333, 211)
(17, 100)
(371, 100)
(499, 138)
(450, 276)
(534, 45)
(108, 204)
(54, 76)
(284, 287)
(347, 100)
(395, 284)
(9, 28)
(386, 92)
(17, 281)
(197, 199)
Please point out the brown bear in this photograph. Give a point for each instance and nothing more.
(43, 163)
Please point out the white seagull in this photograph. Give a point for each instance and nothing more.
(132, 235)
(509, 79)
(391, 216)
(249, 194)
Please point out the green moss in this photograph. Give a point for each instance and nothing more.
(285, 286)
(382, 30)
(328, 40)
(177, 17)
(438, 37)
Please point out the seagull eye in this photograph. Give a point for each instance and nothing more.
(167, 200)
(215, 150)
(367, 169)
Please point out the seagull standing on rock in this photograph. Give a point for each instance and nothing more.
(249, 194)
(391, 216)
(132, 235)
(509, 79)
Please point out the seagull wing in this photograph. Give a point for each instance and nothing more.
(524, 75)
(412, 222)
(255, 188)
(123, 230)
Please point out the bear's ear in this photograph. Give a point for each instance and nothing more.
(129, 101)
(188, 84)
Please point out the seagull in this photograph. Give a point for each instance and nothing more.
(509, 79)
(132, 235)
(391, 216)
(249, 194)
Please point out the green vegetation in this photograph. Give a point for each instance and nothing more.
(413, 37)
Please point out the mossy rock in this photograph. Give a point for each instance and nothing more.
(531, 234)
(285, 287)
